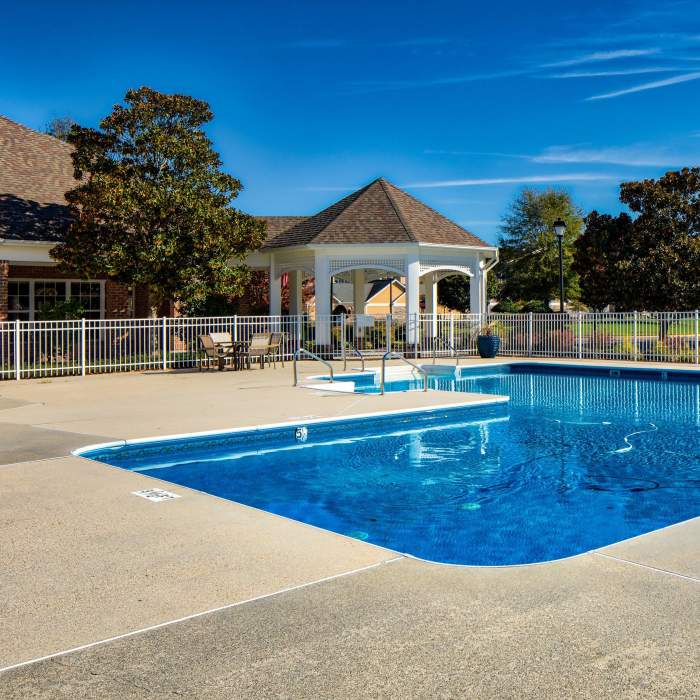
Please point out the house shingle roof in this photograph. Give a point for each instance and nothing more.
(377, 213)
(35, 172)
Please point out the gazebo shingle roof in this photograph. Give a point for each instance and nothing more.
(35, 172)
(377, 213)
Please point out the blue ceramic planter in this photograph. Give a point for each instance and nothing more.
(488, 345)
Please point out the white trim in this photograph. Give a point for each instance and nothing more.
(19, 241)
(458, 247)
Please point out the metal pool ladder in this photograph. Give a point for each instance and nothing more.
(313, 356)
(355, 351)
(399, 356)
(449, 346)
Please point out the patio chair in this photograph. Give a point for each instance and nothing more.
(259, 348)
(216, 347)
(275, 348)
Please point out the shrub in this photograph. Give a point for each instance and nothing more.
(507, 306)
(535, 307)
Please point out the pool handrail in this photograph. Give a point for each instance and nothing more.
(356, 352)
(398, 356)
(448, 345)
(313, 356)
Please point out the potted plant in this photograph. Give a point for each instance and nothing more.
(488, 341)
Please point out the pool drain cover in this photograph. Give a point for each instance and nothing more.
(156, 495)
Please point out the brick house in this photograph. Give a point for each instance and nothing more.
(378, 230)
(35, 172)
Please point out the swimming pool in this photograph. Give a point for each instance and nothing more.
(573, 461)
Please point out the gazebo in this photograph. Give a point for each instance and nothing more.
(378, 229)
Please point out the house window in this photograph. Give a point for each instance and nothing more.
(89, 296)
(28, 298)
(18, 301)
(47, 295)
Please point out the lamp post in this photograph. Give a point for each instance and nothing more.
(560, 229)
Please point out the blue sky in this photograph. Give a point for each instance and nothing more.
(461, 103)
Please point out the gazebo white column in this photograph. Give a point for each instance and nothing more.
(358, 291)
(275, 289)
(430, 286)
(295, 293)
(412, 297)
(322, 291)
(476, 290)
(358, 299)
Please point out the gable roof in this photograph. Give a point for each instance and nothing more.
(377, 213)
(379, 285)
(35, 172)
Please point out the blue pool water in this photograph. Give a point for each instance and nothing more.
(573, 462)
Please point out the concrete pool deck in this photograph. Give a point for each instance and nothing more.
(300, 612)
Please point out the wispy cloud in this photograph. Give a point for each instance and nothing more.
(497, 154)
(481, 222)
(638, 156)
(686, 77)
(334, 43)
(318, 43)
(656, 13)
(521, 180)
(609, 73)
(635, 155)
(437, 81)
(669, 39)
(422, 41)
(599, 56)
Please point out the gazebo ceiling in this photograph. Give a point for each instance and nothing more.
(377, 213)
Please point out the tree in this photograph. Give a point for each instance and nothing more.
(153, 205)
(599, 259)
(529, 253)
(665, 247)
(453, 292)
(60, 127)
(649, 262)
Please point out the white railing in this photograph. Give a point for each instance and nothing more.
(55, 348)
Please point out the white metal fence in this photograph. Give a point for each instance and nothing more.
(54, 348)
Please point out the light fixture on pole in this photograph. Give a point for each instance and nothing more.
(560, 229)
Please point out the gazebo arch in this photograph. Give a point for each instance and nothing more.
(378, 227)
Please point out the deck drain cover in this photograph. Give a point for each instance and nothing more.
(156, 495)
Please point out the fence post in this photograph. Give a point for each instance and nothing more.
(580, 336)
(452, 333)
(234, 328)
(696, 337)
(18, 355)
(299, 334)
(82, 346)
(164, 342)
(529, 334)
(342, 338)
(388, 332)
(416, 334)
(635, 341)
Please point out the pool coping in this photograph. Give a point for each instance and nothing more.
(492, 399)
